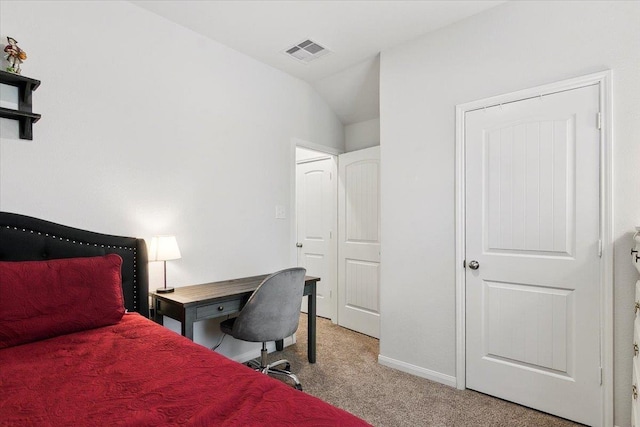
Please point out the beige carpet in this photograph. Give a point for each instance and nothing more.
(348, 376)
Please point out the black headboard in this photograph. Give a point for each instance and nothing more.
(24, 238)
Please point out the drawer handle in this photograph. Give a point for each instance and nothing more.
(634, 392)
(635, 349)
(221, 307)
(637, 306)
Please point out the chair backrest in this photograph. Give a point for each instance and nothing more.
(273, 310)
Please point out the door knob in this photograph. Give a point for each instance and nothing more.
(474, 265)
(298, 245)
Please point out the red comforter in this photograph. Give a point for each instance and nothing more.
(137, 373)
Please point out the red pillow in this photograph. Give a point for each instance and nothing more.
(44, 299)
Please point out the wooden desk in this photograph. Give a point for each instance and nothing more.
(189, 304)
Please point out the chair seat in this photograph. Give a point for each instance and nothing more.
(227, 326)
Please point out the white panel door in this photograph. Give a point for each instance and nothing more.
(316, 201)
(532, 226)
(359, 241)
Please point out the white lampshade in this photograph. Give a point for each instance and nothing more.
(163, 248)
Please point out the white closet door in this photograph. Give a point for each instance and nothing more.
(359, 241)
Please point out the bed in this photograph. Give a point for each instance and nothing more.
(77, 348)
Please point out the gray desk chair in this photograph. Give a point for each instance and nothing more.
(272, 313)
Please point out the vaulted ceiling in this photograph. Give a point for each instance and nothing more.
(354, 32)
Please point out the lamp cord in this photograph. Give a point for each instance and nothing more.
(219, 342)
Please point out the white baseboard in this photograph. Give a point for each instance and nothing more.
(254, 354)
(417, 371)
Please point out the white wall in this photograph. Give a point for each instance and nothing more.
(358, 136)
(353, 93)
(148, 128)
(514, 46)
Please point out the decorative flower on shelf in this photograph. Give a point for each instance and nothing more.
(15, 55)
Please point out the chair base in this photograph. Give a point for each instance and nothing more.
(270, 368)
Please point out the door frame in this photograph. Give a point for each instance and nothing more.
(333, 153)
(603, 79)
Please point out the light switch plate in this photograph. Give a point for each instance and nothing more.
(281, 213)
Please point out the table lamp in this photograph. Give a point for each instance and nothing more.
(164, 248)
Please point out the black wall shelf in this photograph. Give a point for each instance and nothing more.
(23, 114)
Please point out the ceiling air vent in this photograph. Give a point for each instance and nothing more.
(307, 51)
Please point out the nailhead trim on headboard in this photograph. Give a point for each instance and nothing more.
(135, 258)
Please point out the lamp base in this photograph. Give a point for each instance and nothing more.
(164, 290)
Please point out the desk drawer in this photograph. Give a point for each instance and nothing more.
(218, 309)
(164, 308)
